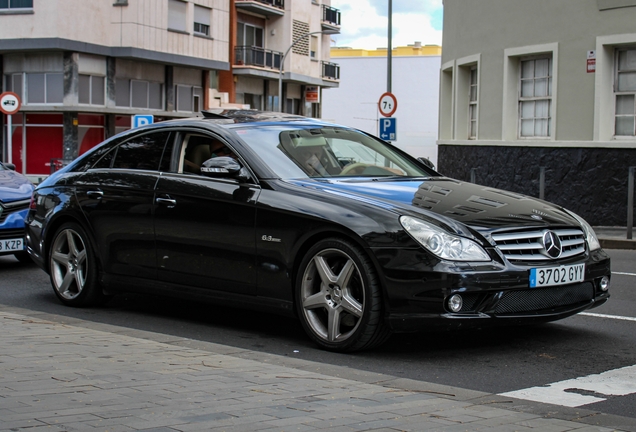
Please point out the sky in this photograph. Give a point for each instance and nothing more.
(364, 23)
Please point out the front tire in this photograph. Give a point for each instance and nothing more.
(338, 297)
(73, 267)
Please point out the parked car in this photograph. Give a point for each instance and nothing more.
(287, 214)
(15, 196)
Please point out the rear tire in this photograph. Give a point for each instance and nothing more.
(339, 298)
(73, 268)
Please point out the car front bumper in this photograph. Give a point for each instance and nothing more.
(418, 290)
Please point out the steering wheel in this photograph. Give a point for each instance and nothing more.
(357, 166)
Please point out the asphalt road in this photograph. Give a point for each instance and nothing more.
(495, 360)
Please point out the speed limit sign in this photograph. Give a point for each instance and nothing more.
(387, 104)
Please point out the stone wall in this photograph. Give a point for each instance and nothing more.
(592, 182)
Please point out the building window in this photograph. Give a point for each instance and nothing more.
(44, 88)
(535, 97)
(188, 98)
(472, 104)
(13, 83)
(16, 4)
(625, 93)
(202, 20)
(313, 53)
(91, 89)
(249, 35)
(177, 15)
(138, 94)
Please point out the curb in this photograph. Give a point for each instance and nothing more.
(607, 243)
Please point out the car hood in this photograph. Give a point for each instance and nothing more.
(14, 187)
(480, 207)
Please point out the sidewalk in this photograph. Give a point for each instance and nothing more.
(64, 374)
(615, 238)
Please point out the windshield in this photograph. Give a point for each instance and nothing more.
(328, 152)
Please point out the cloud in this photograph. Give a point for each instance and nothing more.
(364, 23)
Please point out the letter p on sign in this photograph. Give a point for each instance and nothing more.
(142, 120)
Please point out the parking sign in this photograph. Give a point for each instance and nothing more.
(142, 120)
(388, 128)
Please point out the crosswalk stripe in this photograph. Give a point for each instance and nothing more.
(582, 391)
(618, 317)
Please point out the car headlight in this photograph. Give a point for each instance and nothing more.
(441, 243)
(590, 235)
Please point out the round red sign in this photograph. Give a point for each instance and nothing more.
(9, 103)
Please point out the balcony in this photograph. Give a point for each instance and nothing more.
(262, 7)
(330, 18)
(330, 71)
(257, 57)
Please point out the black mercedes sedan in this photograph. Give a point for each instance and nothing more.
(294, 215)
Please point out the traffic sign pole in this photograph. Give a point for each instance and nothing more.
(9, 140)
(9, 105)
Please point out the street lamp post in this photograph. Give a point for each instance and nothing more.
(282, 63)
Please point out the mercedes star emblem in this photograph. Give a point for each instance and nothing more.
(551, 244)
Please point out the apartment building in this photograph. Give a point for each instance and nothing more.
(82, 69)
(282, 43)
(539, 93)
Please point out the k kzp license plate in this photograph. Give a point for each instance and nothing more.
(560, 275)
(12, 245)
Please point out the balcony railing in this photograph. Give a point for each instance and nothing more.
(264, 7)
(330, 71)
(256, 56)
(330, 17)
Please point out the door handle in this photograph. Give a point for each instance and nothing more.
(168, 202)
(95, 194)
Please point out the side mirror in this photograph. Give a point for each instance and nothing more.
(426, 161)
(222, 166)
(9, 165)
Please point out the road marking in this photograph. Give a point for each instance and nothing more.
(583, 390)
(608, 316)
(623, 273)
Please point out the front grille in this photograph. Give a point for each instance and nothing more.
(527, 245)
(11, 234)
(8, 208)
(541, 299)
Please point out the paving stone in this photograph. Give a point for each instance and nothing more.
(90, 376)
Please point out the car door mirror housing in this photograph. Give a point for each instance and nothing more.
(222, 166)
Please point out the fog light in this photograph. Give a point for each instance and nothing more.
(455, 303)
(604, 283)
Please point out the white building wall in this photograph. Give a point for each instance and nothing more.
(415, 84)
(141, 24)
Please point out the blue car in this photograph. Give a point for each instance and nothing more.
(15, 196)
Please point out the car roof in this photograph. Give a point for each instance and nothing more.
(249, 116)
(239, 118)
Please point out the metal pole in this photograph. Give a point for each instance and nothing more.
(630, 202)
(542, 182)
(280, 85)
(9, 139)
(389, 53)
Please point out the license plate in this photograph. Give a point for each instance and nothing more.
(12, 245)
(561, 275)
